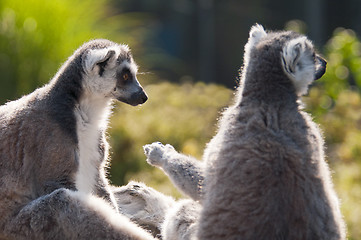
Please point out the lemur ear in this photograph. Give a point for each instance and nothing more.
(256, 33)
(298, 63)
(97, 56)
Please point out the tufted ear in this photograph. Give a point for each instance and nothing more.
(99, 57)
(298, 63)
(255, 35)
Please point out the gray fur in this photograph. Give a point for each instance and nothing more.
(42, 151)
(265, 172)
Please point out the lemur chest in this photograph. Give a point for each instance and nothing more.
(90, 155)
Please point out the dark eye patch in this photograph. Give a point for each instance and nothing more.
(124, 76)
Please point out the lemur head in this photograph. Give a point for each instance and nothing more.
(283, 57)
(110, 72)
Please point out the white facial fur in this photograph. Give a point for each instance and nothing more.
(298, 63)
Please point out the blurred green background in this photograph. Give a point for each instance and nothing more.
(189, 54)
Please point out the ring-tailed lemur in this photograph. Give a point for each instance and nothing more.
(53, 150)
(264, 173)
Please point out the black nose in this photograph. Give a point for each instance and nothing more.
(143, 97)
(320, 67)
(139, 97)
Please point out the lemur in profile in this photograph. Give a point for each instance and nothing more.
(263, 175)
(53, 150)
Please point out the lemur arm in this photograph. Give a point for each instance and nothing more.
(185, 172)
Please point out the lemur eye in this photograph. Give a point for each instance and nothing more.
(125, 76)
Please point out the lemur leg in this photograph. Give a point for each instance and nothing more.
(181, 222)
(143, 205)
(185, 172)
(65, 214)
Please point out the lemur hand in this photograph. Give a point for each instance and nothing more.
(158, 154)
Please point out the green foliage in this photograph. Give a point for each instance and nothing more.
(344, 63)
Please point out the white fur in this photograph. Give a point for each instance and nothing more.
(92, 115)
(298, 63)
(256, 33)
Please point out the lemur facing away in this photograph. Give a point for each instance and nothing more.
(53, 150)
(263, 176)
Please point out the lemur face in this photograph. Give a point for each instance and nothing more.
(111, 73)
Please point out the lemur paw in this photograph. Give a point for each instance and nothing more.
(157, 153)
